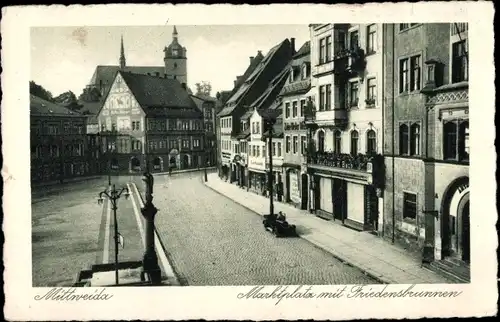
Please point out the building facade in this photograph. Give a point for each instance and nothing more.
(346, 166)
(150, 122)
(207, 106)
(254, 83)
(58, 142)
(295, 133)
(426, 140)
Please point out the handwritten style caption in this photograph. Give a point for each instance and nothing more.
(279, 293)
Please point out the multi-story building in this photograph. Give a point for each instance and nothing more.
(295, 134)
(266, 108)
(345, 165)
(207, 106)
(256, 83)
(426, 143)
(150, 122)
(58, 142)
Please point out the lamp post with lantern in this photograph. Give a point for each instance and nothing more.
(113, 195)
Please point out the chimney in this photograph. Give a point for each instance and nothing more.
(251, 59)
(292, 45)
(259, 52)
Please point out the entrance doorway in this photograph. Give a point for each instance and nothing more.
(304, 192)
(185, 161)
(465, 240)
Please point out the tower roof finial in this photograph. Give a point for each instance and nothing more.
(175, 31)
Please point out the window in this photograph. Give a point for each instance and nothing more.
(287, 110)
(274, 148)
(371, 39)
(354, 40)
(457, 28)
(415, 73)
(456, 140)
(353, 94)
(410, 205)
(459, 62)
(404, 26)
(264, 151)
(287, 144)
(328, 97)
(403, 76)
(196, 143)
(354, 142)
(294, 109)
(113, 127)
(403, 139)
(341, 40)
(328, 51)
(295, 144)
(279, 149)
(257, 127)
(322, 50)
(257, 148)
(371, 142)
(185, 143)
(304, 71)
(411, 83)
(302, 107)
(303, 145)
(337, 141)
(185, 125)
(371, 93)
(253, 151)
(322, 98)
(415, 139)
(321, 141)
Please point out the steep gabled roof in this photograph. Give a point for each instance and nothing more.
(105, 74)
(304, 50)
(161, 96)
(272, 91)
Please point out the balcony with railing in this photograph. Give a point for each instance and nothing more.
(365, 167)
(349, 62)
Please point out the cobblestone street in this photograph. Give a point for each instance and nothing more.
(213, 241)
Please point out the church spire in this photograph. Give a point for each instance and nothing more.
(122, 56)
(174, 34)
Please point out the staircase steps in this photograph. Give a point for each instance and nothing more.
(452, 268)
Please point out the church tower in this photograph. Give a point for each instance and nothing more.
(122, 56)
(176, 60)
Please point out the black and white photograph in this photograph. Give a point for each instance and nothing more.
(296, 162)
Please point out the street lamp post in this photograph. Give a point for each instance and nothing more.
(270, 123)
(205, 142)
(150, 258)
(113, 197)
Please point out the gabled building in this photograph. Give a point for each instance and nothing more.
(426, 143)
(266, 108)
(58, 142)
(150, 122)
(294, 102)
(345, 164)
(251, 89)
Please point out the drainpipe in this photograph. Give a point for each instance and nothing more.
(393, 138)
(383, 108)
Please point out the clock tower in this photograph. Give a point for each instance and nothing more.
(176, 60)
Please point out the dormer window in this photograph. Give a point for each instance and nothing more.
(304, 71)
(291, 75)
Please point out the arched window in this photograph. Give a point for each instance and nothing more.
(450, 140)
(321, 141)
(371, 142)
(403, 139)
(463, 141)
(354, 142)
(415, 139)
(337, 141)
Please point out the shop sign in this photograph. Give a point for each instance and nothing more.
(294, 186)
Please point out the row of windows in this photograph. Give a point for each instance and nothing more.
(294, 111)
(410, 68)
(371, 142)
(125, 145)
(53, 151)
(225, 122)
(304, 73)
(345, 41)
(455, 140)
(292, 144)
(53, 129)
(325, 95)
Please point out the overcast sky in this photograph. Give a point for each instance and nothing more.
(64, 58)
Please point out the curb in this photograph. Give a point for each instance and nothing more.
(365, 271)
(182, 171)
(179, 279)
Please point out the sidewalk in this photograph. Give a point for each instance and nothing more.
(385, 262)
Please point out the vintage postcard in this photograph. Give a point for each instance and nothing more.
(249, 162)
